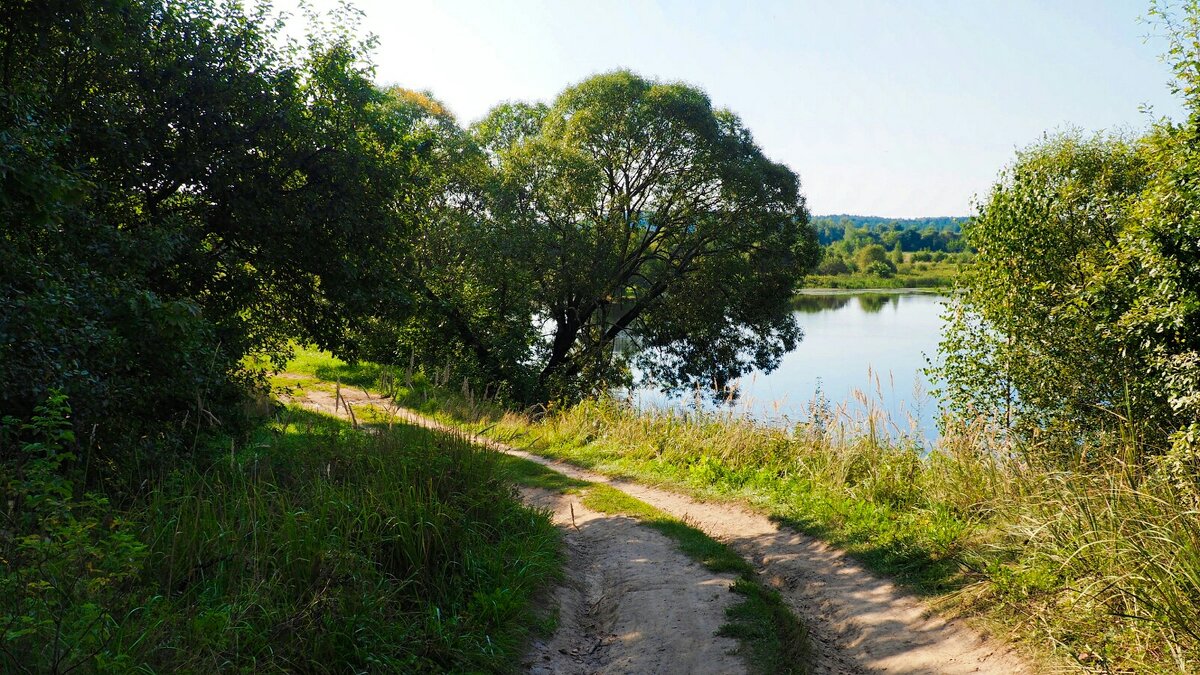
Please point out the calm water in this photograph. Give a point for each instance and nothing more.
(873, 344)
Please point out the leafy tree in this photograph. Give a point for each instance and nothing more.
(472, 304)
(628, 209)
(1161, 249)
(178, 191)
(659, 218)
(1080, 318)
(1035, 340)
(870, 255)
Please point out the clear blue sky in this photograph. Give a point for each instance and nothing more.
(884, 108)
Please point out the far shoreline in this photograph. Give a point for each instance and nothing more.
(913, 290)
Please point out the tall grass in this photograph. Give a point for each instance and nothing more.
(312, 548)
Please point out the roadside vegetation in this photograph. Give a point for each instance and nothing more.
(227, 189)
(1090, 563)
(771, 637)
(223, 193)
(1063, 498)
(305, 546)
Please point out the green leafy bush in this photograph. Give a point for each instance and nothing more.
(70, 562)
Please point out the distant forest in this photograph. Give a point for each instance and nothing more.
(942, 233)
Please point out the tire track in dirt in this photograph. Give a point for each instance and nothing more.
(859, 622)
(630, 602)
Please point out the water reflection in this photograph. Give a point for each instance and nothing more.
(855, 355)
(814, 304)
(875, 302)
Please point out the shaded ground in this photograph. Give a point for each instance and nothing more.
(859, 622)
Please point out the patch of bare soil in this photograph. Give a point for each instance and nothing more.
(859, 622)
(631, 602)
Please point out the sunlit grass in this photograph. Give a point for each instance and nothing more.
(319, 548)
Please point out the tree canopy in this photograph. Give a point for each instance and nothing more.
(1080, 318)
(627, 211)
(182, 189)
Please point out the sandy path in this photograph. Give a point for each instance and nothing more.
(859, 622)
(630, 601)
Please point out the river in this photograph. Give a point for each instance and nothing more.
(861, 353)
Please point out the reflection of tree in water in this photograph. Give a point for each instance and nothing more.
(812, 304)
(874, 302)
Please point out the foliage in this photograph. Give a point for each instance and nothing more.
(1080, 318)
(472, 301)
(1034, 342)
(604, 216)
(215, 193)
(312, 546)
(68, 564)
(845, 234)
(1101, 566)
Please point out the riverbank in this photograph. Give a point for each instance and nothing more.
(908, 275)
(1097, 567)
(860, 622)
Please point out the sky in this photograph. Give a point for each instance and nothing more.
(898, 109)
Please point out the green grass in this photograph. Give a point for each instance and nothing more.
(308, 548)
(691, 541)
(770, 635)
(532, 474)
(940, 275)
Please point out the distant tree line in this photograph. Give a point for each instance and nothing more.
(877, 246)
(911, 234)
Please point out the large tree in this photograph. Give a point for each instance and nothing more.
(1034, 340)
(631, 212)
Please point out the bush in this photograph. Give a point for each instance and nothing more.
(70, 565)
(872, 253)
(833, 266)
(880, 268)
(154, 233)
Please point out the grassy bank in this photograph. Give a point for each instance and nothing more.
(939, 275)
(309, 548)
(1099, 565)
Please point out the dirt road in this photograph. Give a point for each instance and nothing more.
(859, 622)
(631, 602)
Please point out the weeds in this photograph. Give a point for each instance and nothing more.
(1099, 564)
(310, 548)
